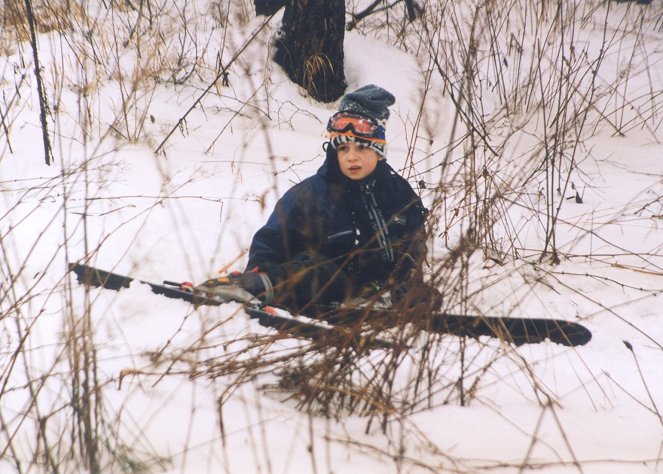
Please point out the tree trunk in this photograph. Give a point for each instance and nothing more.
(268, 7)
(310, 47)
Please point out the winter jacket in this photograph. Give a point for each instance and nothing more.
(357, 233)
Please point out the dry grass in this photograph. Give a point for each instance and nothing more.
(507, 98)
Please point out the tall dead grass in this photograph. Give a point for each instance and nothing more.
(508, 94)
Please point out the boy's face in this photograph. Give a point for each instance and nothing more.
(356, 160)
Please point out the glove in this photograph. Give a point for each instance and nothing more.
(420, 296)
(242, 287)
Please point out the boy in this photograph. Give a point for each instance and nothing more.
(353, 230)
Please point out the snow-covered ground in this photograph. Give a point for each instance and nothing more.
(149, 378)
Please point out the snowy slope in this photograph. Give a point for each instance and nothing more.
(165, 396)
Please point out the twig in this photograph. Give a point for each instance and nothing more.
(43, 104)
(629, 346)
(411, 10)
(410, 5)
(356, 18)
(221, 74)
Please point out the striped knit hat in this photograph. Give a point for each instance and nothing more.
(370, 102)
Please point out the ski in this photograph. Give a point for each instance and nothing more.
(342, 323)
(296, 326)
(518, 331)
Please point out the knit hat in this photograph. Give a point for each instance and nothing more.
(370, 102)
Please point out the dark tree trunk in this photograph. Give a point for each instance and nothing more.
(268, 7)
(310, 47)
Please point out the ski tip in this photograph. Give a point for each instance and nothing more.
(572, 335)
(90, 276)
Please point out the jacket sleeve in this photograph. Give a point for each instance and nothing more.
(274, 242)
(411, 248)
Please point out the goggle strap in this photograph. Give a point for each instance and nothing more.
(349, 133)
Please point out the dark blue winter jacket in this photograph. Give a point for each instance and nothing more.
(372, 229)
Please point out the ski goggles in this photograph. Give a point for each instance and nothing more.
(359, 126)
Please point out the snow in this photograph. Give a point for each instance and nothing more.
(190, 211)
